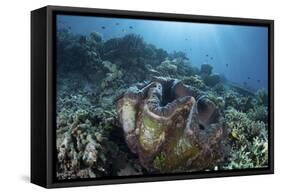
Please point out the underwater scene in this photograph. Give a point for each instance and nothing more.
(150, 97)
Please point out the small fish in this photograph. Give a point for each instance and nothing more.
(244, 83)
(234, 135)
(185, 39)
(226, 65)
(259, 80)
(207, 55)
(131, 27)
(117, 24)
(211, 58)
(123, 30)
(103, 27)
(249, 78)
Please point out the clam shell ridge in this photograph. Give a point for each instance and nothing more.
(169, 127)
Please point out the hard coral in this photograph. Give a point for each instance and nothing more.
(206, 69)
(249, 139)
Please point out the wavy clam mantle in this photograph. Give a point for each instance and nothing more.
(172, 127)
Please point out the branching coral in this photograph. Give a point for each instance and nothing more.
(258, 113)
(194, 81)
(262, 97)
(249, 141)
(167, 68)
(79, 149)
(211, 80)
(112, 76)
(85, 147)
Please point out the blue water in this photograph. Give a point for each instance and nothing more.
(240, 53)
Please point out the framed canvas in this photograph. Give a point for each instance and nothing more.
(125, 96)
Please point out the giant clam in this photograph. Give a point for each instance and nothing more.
(170, 126)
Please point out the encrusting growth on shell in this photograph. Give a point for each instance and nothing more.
(168, 128)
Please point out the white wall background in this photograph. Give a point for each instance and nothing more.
(15, 95)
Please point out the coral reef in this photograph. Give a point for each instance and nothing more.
(206, 69)
(126, 107)
(210, 79)
(194, 81)
(131, 53)
(249, 139)
(112, 75)
(167, 68)
(89, 138)
(80, 145)
(77, 52)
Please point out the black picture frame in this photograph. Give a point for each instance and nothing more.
(43, 84)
